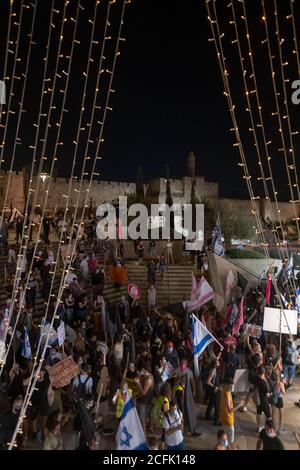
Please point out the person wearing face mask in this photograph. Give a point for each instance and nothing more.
(184, 370)
(8, 424)
(268, 439)
(171, 354)
(227, 409)
(173, 427)
(222, 440)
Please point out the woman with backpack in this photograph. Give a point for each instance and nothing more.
(278, 392)
(289, 361)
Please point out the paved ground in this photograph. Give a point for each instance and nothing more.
(246, 437)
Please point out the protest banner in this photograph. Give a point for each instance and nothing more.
(289, 321)
(63, 372)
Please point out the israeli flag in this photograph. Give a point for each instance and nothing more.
(284, 301)
(290, 268)
(26, 349)
(217, 245)
(201, 339)
(130, 435)
(298, 300)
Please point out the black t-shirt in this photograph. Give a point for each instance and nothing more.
(270, 443)
(263, 389)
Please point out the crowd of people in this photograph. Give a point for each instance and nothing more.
(126, 348)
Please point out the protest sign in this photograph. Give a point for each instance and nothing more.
(61, 334)
(63, 372)
(289, 321)
(167, 372)
(254, 331)
(134, 291)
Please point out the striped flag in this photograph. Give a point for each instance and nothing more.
(240, 320)
(130, 435)
(202, 337)
(290, 268)
(26, 349)
(298, 300)
(204, 294)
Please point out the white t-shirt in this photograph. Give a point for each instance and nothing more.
(171, 422)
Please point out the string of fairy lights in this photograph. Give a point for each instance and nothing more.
(255, 127)
(4, 78)
(295, 40)
(36, 358)
(21, 111)
(217, 39)
(63, 277)
(23, 248)
(13, 78)
(281, 117)
(53, 161)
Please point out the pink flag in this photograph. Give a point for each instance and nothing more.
(240, 319)
(268, 290)
(204, 294)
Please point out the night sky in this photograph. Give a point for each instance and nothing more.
(169, 92)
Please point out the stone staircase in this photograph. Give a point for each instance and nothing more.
(175, 286)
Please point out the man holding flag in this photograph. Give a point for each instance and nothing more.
(130, 435)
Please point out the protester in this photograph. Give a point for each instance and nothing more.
(173, 427)
(268, 439)
(227, 410)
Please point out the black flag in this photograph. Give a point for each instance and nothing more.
(190, 415)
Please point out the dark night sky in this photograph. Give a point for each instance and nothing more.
(169, 93)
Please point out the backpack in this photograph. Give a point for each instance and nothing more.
(81, 389)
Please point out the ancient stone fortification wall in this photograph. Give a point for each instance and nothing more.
(287, 210)
(101, 191)
(15, 192)
(181, 189)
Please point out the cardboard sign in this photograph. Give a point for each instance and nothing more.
(241, 381)
(63, 372)
(61, 334)
(134, 291)
(253, 330)
(289, 321)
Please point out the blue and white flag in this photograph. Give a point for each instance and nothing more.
(284, 301)
(130, 435)
(26, 349)
(297, 302)
(290, 268)
(217, 245)
(202, 337)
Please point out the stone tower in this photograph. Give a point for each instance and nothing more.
(191, 165)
